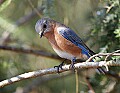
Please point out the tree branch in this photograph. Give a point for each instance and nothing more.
(54, 70)
(30, 51)
(46, 54)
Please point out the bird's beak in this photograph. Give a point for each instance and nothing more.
(41, 33)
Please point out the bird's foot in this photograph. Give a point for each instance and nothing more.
(59, 67)
(72, 64)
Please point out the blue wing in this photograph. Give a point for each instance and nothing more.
(72, 36)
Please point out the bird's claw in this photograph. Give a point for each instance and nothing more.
(59, 67)
(72, 66)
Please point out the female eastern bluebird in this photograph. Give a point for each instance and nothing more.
(65, 42)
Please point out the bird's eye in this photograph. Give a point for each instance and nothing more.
(44, 26)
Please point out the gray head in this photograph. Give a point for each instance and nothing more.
(42, 26)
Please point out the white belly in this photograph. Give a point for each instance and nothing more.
(64, 54)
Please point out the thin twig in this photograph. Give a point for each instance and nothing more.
(77, 79)
(89, 85)
(117, 51)
(109, 7)
(102, 54)
(34, 8)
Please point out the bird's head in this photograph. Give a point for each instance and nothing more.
(43, 26)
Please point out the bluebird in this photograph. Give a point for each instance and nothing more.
(64, 41)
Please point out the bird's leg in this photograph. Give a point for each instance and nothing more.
(72, 63)
(60, 66)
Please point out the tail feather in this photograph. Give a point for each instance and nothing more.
(99, 70)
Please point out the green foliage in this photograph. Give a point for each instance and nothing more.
(117, 32)
(107, 26)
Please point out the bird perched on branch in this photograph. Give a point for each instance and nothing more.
(64, 41)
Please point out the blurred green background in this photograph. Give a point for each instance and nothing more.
(97, 22)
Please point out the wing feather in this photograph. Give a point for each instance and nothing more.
(75, 39)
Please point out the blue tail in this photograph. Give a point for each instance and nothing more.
(90, 53)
